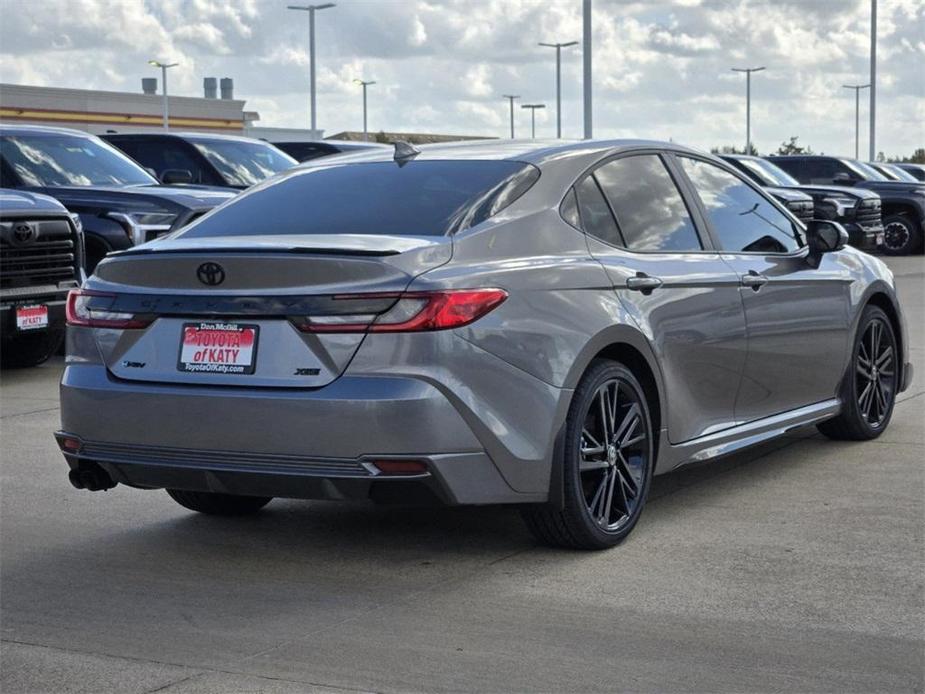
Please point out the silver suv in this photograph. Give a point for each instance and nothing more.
(546, 325)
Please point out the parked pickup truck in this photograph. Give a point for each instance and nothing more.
(119, 203)
(903, 202)
(41, 258)
(856, 209)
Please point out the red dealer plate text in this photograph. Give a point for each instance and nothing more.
(31, 317)
(216, 347)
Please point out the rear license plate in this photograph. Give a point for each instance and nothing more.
(215, 347)
(31, 317)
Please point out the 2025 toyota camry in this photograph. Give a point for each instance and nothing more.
(542, 324)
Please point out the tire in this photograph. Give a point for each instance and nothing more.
(592, 468)
(33, 349)
(866, 411)
(215, 504)
(900, 235)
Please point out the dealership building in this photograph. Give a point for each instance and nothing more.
(101, 112)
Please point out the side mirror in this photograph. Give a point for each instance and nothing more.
(825, 236)
(170, 176)
(842, 177)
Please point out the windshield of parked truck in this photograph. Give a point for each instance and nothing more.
(770, 173)
(59, 159)
(243, 163)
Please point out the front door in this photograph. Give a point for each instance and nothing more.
(797, 314)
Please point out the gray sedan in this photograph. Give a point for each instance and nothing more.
(541, 324)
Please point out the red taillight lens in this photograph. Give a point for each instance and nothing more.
(414, 312)
(79, 311)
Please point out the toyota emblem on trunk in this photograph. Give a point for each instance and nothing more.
(211, 274)
(24, 233)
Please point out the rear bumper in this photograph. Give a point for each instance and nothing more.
(293, 443)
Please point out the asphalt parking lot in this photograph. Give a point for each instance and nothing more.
(797, 566)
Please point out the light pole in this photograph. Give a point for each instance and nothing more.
(533, 108)
(311, 49)
(748, 103)
(586, 65)
(364, 85)
(511, 98)
(559, 47)
(163, 67)
(873, 80)
(857, 107)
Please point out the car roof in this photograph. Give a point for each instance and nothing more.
(188, 135)
(531, 151)
(13, 128)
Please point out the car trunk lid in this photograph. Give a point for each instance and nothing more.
(249, 294)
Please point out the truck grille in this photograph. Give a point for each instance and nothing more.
(802, 209)
(50, 257)
(868, 213)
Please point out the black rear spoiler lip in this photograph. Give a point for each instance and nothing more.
(257, 249)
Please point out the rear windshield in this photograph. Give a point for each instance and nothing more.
(421, 198)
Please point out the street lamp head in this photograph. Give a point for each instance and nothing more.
(510, 96)
(158, 63)
(533, 106)
(311, 8)
(856, 86)
(747, 69)
(364, 83)
(558, 45)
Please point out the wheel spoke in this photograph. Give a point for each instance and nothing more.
(628, 425)
(864, 399)
(598, 496)
(864, 371)
(632, 484)
(885, 358)
(611, 482)
(589, 465)
(603, 399)
(591, 439)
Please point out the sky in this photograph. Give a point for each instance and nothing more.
(661, 68)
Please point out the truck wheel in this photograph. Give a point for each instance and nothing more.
(28, 350)
(900, 236)
(215, 504)
(607, 466)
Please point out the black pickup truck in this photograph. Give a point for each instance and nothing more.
(41, 259)
(903, 202)
(119, 203)
(856, 209)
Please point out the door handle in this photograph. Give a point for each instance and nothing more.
(643, 283)
(754, 280)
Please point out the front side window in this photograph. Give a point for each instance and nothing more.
(162, 154)
(243, 163)
(769, 174)
(422, 198)
(55, 159)
(650, 211)
(743, 219)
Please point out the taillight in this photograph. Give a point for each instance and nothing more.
(412, 312)
(91, 309)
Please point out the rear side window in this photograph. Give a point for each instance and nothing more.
(421, 198)
(744, 220)
(596, 218)
(650, 211)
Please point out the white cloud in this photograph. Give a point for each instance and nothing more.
(661, 67)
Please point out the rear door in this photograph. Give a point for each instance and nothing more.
(797, 314)
(681, 293)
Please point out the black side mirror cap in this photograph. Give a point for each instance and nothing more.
(826, 236)
(170, 176)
